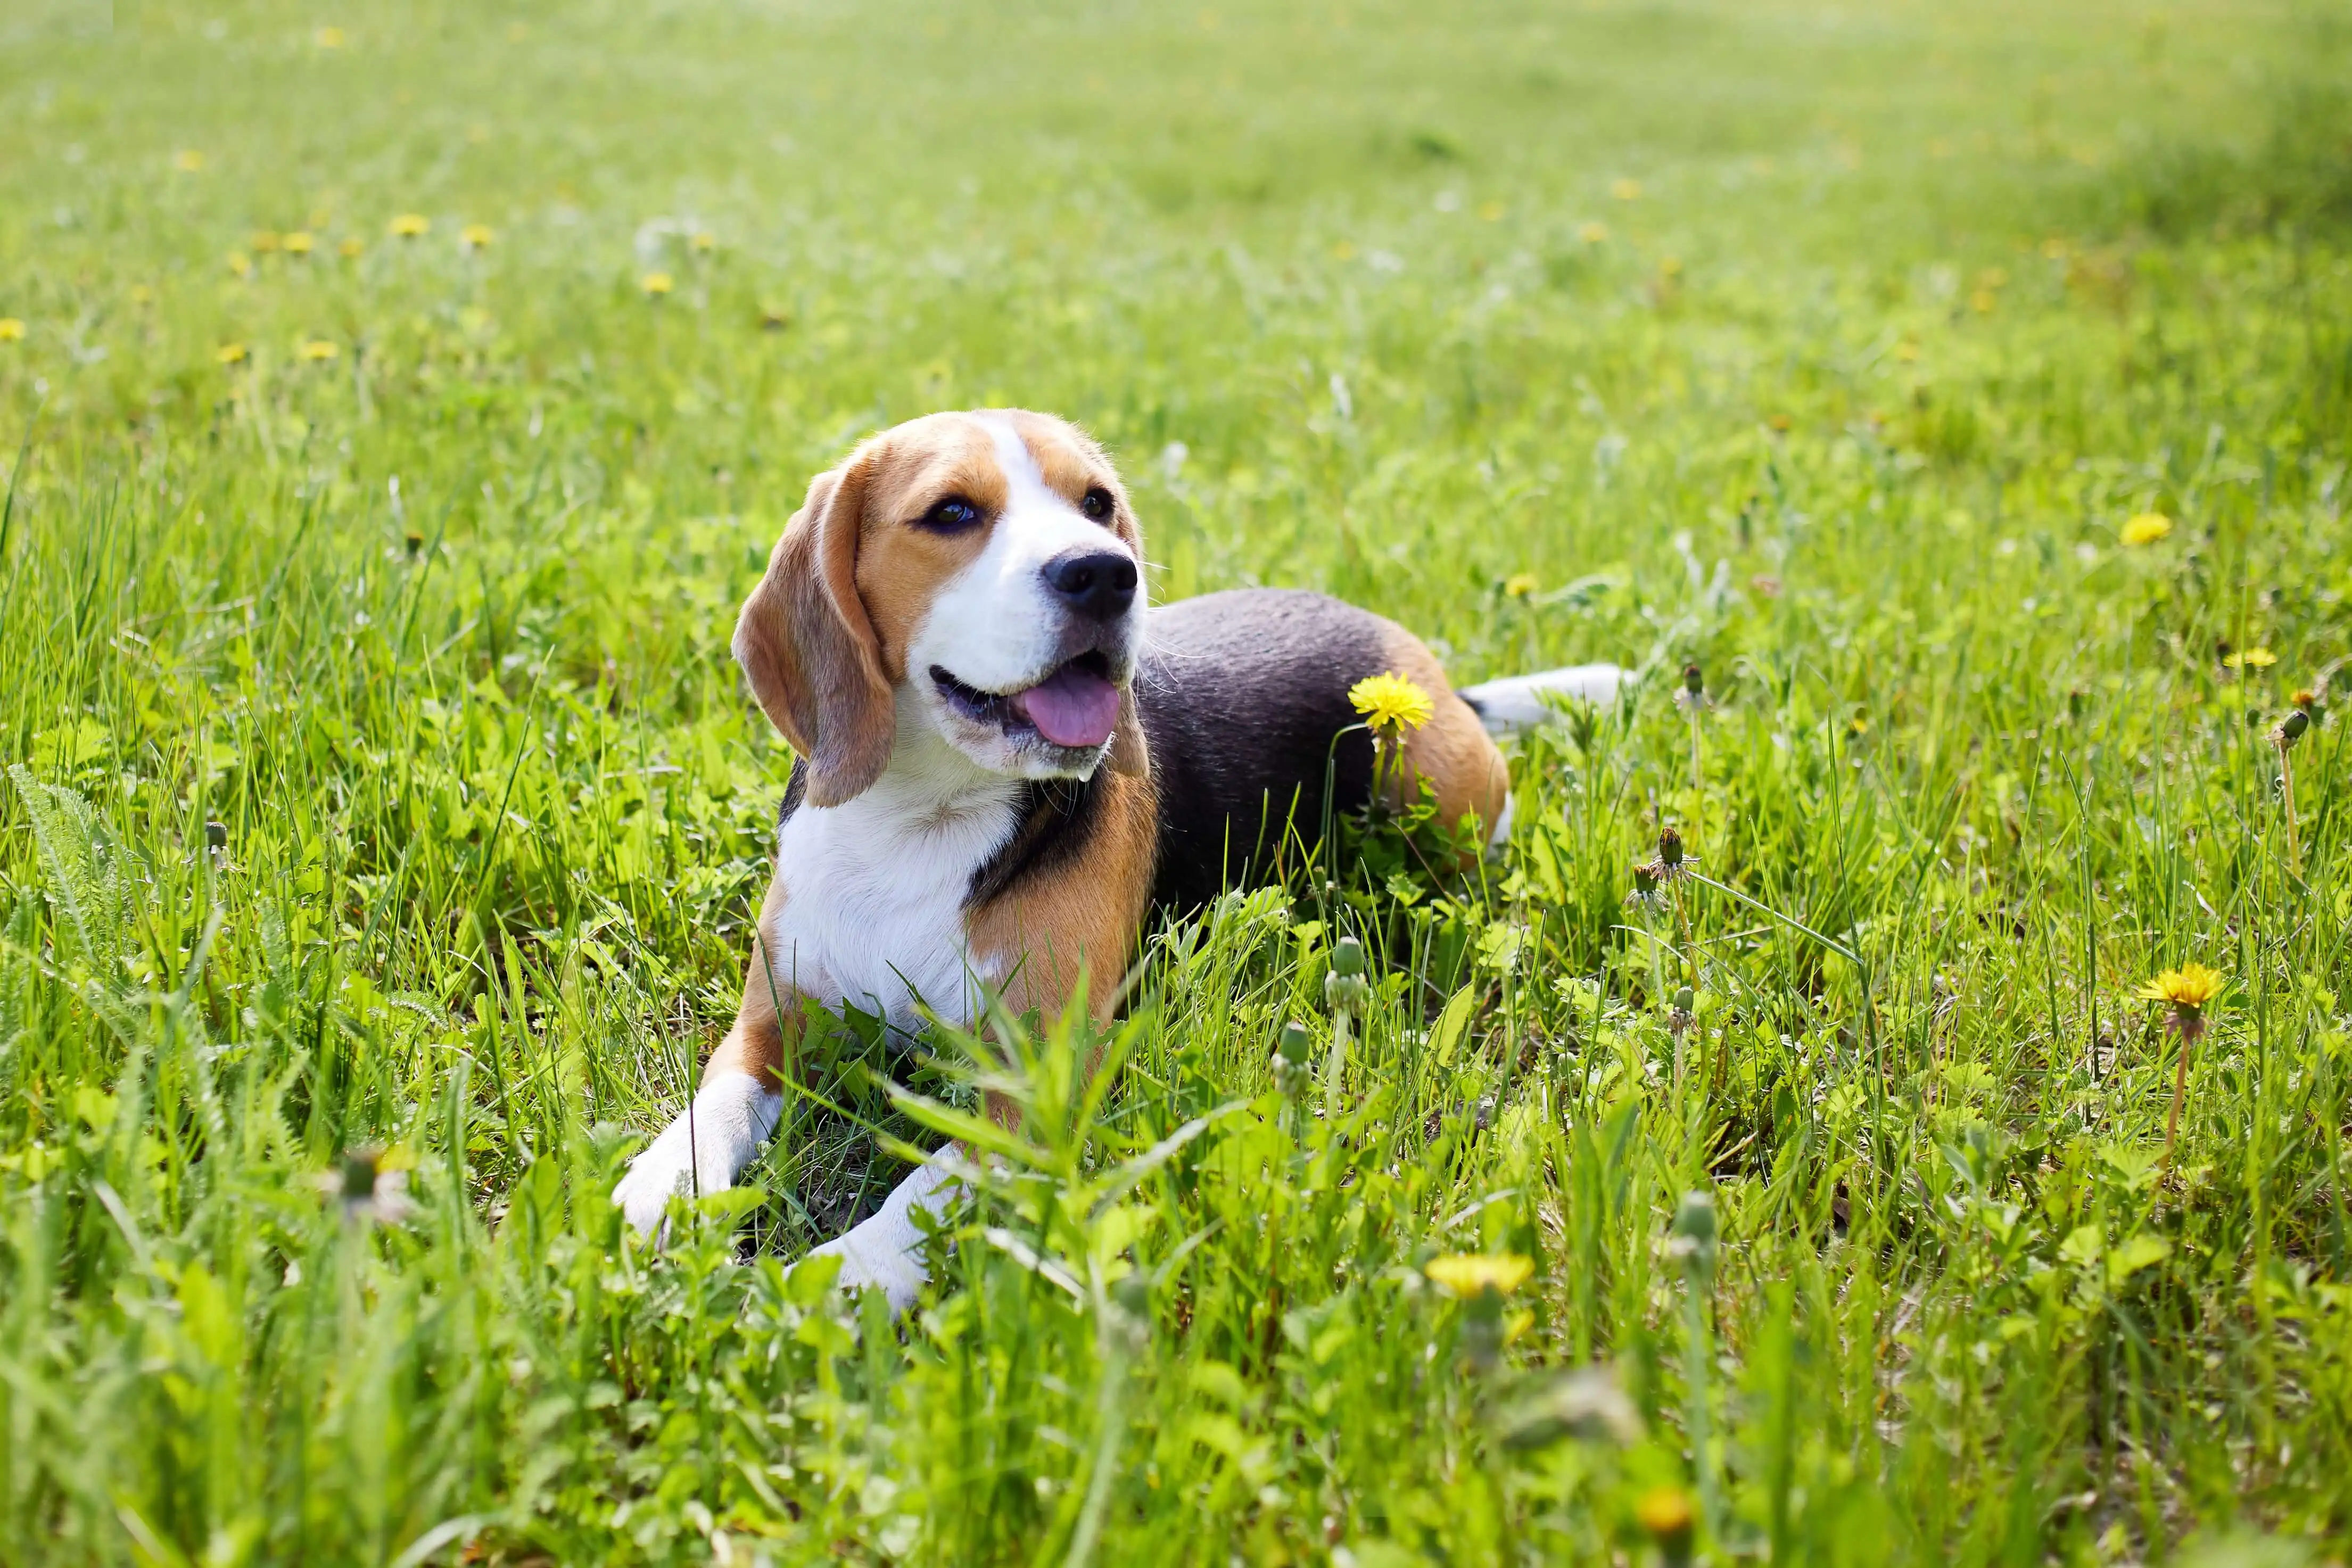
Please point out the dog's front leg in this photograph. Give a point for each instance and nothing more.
(733, 1114)
(707, 1146)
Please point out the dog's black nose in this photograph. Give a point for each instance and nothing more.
(1098, 584)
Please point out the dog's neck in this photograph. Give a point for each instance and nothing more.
(929, 788)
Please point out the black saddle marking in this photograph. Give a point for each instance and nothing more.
(796, 791)
(1055, 821)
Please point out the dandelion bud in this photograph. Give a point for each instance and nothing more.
(1695, 1218)
(1669, 847)
(1289, 1060)
(414, 543)
(1683, 1001)
(1345, 993)
(216, 835)
(1692, 1239)
(1347, 956)
(2292, 727)
(1692, 683)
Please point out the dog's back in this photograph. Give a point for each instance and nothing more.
(1243, 698)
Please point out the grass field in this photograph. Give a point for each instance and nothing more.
(382, 805)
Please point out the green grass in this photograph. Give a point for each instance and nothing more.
(1913, 307)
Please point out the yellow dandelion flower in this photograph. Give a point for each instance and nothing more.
(11, 330)
(2251, 659)
(2188, 991)
(349, 249)
(1626, 190)
(328, 37)
(141, 295)
(477, 236)
(239, 263)
(2145, 528)
(1782, 423)
(1389, 701)
(1907, 352)
(1467, 1274)
(1343, 252)
(1665, 1513)
(264, 241)
(300, 243)
(1520, 585)
(1492, 212)
(705, 242)
(1669, 266)
(1592, 233)
(230, 353)
(319, 350)
(188, 161)
(656, 284)
(409, 226)
(517, 32)
(1982, 301)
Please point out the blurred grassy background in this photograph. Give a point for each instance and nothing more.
(1828, 347)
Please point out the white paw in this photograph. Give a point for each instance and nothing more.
(897, 1270)
(702, 1152)
(886, 1250)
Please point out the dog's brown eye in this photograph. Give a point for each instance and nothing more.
(953, 515)
(1096, 503)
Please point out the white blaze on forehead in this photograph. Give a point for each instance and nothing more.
(1025, 481)
(1038, 522)
(994, 625)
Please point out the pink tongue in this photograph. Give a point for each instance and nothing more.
(1072, 707)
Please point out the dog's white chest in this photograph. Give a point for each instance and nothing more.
(873, 912)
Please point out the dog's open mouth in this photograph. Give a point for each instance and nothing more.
(1074, 706)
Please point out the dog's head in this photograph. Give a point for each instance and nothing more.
(983, 571)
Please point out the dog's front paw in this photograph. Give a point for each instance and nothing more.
(663, 1168)
(886, 1262)
(701, 1153)
(886, 1250)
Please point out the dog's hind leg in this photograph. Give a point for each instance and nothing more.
(1519, 702)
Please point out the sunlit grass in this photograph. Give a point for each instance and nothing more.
(1783, 1149)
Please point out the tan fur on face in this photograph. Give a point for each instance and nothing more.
(1071, 464)
(823, 638)
(902, 566)
(914, 467)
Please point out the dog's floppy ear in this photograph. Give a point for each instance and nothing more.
(808, 648)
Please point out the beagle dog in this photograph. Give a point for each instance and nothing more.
(1005, 763)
